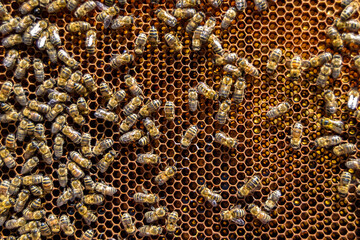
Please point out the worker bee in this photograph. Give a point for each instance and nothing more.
(39, 106)
(47, 184)
(28, 227)
(12, 40)
(56, 6)
(226, 58)
(296, 134)
(208, 28)
(7, 158)
(259, 214)
(86, 145)
(102, 145)
(66, 226)
(148, 158)
(184, 13)
(80, 160)
(33, 215)
(39, 132)
(24, 23)
(10, 117)
(10, 141)
(274, 59)
(88, 235)
(212, 196)
(93, 199)
(10, 59)
(153, 37)
(225, 87)
(67, 59)
(72, 134)
(82, 106)
(278, 110)
(116, 99)
(22, 67)
(57, 97)
(87, 214)
(173, 42)
(194, 22)
(149, 108)
(166, 17)
(331, 105)
(41, 42)
(171, 222)
(327, 141)
(58, 124)
(54, 223)
(351, 38)
(335, 37)
(35, 204)
(229, 16)
(51, 51)
(344, 3)
(119, 60)
(344, 149)
(143, 141)
(30, 127)
(15, 185)
(4, 188)
(261, 5)
(133, 86)
(20, 203)
(45, 86)
(146, 197)
(54, 35)
(140, 43)
(224, 109)
(147, 230)
(75, 170)
(133, 105)
(33, 179)
(6, 107)
(349, 11)
(352, 25)
(90, 41)
(104, 189)
(239, 92)
(123, 21)
(75, 114)
(4, 14)
(105, 91)
(166, 175)
(189, 136)
(39, 70)
(334, 125)
(336, 64)
(38, 28)
(59, 145)
(131, 136)
(30, 149)
(196, 41)
(249, 186)
(208, 92)
(64, 75)
(187, 3)
(45, 153)
(353, 163)
(79, 89)
(66, 196)
(9, 26)
(128, 223)
(193, 99)
(226, 140)
(107, 13)
(45, 229)
(155, 214)
(62, 175)
(106, 115)
(272, 200)
(169, 110)
(15, 223)
(216, 45)
(85, 8)
(320, 59)
(6, 203)
(234, 214)
(106, 161)
(295, 67)
(28, 6)
(344, 185)
(32, 115)
(77, 189)
(232, 70)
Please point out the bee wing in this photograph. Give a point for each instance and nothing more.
(213, 202)
(305, 64)
(101, 6)
(107, 21)
(238, 221)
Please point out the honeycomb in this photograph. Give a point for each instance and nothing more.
(310, 207)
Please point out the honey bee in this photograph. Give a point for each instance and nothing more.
(274, 59)
(166, 17)
(12, 40)
(87, 214)
(196, 41)
(335, 37)
(278, 110)
(56, 6)
(331, 105)
(24, 23)
(226, 58)
(4, 188)
(28, 6)
(259, 214)
(216, 45)
(232, 70)
(336, 66)
(72, 134)
(10, 142)
(147, 230)
(75, 170)
(80, 89)
(30, 128)
(10, 117)
(119, 60)
(166, 175)
(150, 126)
(149, 108)
(82, 106)
(20, 203)
(229, 16)
(88, 235)
(39, 132)
(133, 86)
(208, 92)
(145, 140)
(86, 148)
(295, 67)
(107, 13)
(62, 175)
(45, 229)
(77, 189)
(66, 196)
(33, 215)
(116, 99)
(104, 189)
(10, 59)
(102, 145)
(349, 11)
(171, 222)
(140, 43)
(226, 140)
(296, 134)
(7, 158)
(146, 197)
(84, 9)
(35, 204)
(54, 35)
(225, 87)
(249, 186)
(80, 160)
(234, 214)
(15, 185)
(240, 4)
(106, 161)
(9, 26)
(193, 99)
(106, 115)
(44, 87)
(30, 149)
(184, 13)
(67, 59)
(22, 67)
(153, 37)
(224, 109)
(66, 226)
(187, 3)
(344, 3)
(105, 91)
(133, 105)
(58, 124)
(189, 136)
(4, 14)
(45, 153)
(54, 223)
(239, 92)
(32, 179)
(32, 115)
(94, 199)
(212, 196)
(39, 106)
(261, 5)
(169, 110)
(320, 59)
(344, 149)
(173, 42)
(7, 108)
(351, 38)
(128, 223)
(90, 41)
(272, 200)
(353, 163)
(334, 125)
(59, 145)
(344, 185)
(123, 21)
(57, 97)
(352, 25)
(148, 158)
(15, 223)
(47, 184)
(75, 114)
(38, 28)
(327, 141)
(155, 214)
(208, 28)
(64, 75)
(194, 22)
(39, 70)
(28, 227)
(41, 42)
(26, 37)
(131, 136)
(51, 51)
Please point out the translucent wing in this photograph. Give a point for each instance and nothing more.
(108, 21)
(238, 221)
(101, 6)
(213, 202)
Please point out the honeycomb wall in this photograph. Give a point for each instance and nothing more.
(310, 207)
